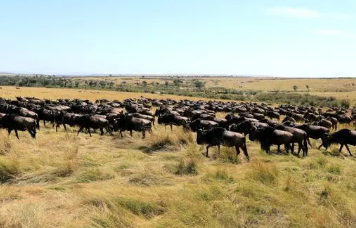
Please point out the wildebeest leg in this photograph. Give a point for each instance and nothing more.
(319, 146)
(207, 151)
(292, 148)
(143, 134)
(17, 134)
(238, 150)
(308, 139)
(89, 131)
(342, 145)
(131, 133)
(215, 155)
(109, 130)
(65, 128)
(57, 126)
(279, 148)
(9, 130)
(171, 127)
(300, 148)
(348, 149)
(32, 132)
(80, 129)
(101, 131)
(286, 146)
(244, 149)
(44, 122)
(121, 134)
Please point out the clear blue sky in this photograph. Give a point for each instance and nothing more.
(258, 37)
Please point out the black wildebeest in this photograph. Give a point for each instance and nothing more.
(299, 136)
(19, 123)
(344, 137)
(220, 136)
(129, 123)
(313, 131)
(171, 119)
(26, 113)
(91, 121)
(273, 115)
(201, 124)
(246, 126)
(268, 136)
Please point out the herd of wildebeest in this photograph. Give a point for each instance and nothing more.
(262, 122)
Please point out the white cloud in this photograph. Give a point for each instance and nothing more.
(339, 16)
(329, 32)
(293, 12)
(304, 13)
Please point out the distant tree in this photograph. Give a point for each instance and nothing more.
(166, 83)
(307, 86)
(199, 84)
(177, 82)
(295, 88)
(144, 83)
(111, 84)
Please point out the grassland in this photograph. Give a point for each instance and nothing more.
(341, 88)
(64, 180)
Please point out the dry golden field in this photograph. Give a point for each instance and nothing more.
(341, 88)
(64, 180)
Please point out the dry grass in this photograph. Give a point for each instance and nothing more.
(64, 180)
(80, 181)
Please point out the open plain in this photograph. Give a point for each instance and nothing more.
(60, 179)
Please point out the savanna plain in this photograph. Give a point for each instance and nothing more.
(60, 179)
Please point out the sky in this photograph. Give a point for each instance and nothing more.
(290, 38)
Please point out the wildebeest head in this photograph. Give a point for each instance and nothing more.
(326, 140)
(254, 132)
(201, 135)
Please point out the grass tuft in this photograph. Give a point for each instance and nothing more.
(93, 174)
(138, 207)
(9, 169)
(265, 173)
(186, 168)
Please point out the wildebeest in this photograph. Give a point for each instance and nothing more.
(246, 126)
(324, 123)
(129, 123)
(313, 131)
(343, 137)
(268, 136)
(273, 115)
(26, 113)
(19, 123)
(91, 121)
(171, 119)
(299, 136)
(201, 124)
(220, 136)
